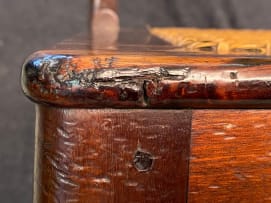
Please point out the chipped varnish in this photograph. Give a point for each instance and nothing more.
(144, 76)
(86, 152)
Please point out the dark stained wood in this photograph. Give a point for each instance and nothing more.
(231, 156)
(116, 156)
(88, 155)
(97, 79)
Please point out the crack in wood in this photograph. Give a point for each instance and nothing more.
(60, 77)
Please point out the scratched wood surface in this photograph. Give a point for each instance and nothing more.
(146, 76)
(230, 156)
(116, 156)
(142, 155)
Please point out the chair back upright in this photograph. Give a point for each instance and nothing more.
(105, 23)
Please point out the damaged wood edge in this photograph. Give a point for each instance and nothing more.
(59, 80)
(53, 78)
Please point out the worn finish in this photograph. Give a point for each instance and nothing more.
(231, 156)
(86, 155)
(111, 79)
(104, 155)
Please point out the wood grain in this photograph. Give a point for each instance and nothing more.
(231, 156)
(103, 155)
(88, 155)
(151, 80)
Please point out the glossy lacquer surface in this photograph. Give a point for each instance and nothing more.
(108, 156)
(230, 156)
(103, 133)
(125, 78)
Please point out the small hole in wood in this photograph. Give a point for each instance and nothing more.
(143, 161)
(233, 75)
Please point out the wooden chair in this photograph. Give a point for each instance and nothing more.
(155, 115)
